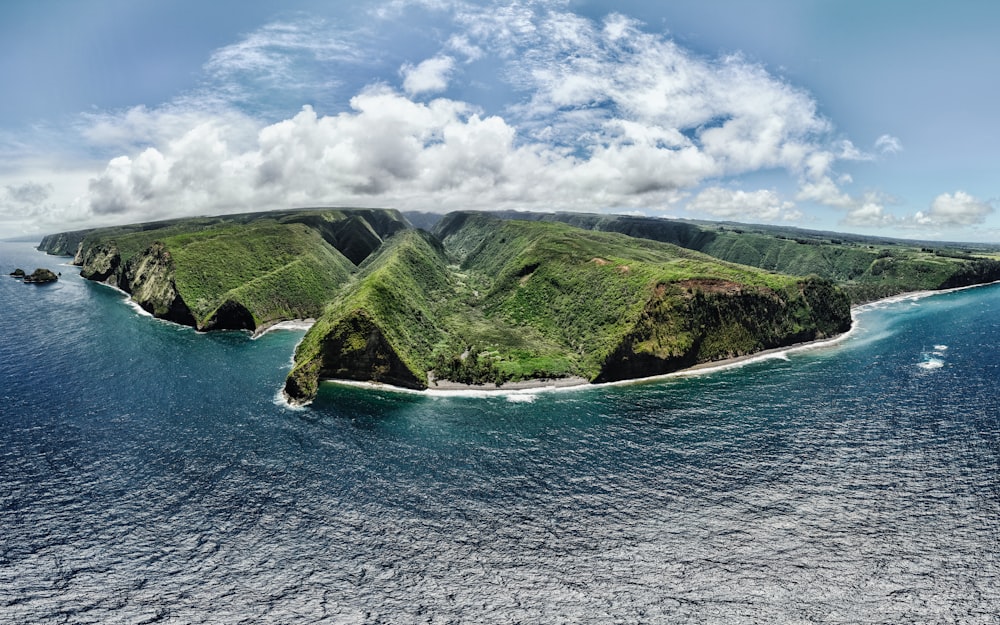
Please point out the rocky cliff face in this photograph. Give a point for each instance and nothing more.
(356, 348)
(101, 263)
(149, 277)
(690, 323)
(63, 243)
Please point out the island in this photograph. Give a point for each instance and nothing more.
(38, 276)
(493, 299)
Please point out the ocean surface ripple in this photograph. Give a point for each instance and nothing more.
(149, 477)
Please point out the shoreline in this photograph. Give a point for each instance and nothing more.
(288, 324)
(528, 388)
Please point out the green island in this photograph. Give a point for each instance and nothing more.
(500, 298)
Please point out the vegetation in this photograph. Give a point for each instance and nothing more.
(587, 293)
(867, 268)
(237, 271)
(488, 299)
(274, 271)
(522, 300)
(384, 325)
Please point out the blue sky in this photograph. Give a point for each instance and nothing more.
(872, 117)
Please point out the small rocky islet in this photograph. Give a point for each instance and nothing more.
(38, 276)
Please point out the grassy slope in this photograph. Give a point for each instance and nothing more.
(585, 293)
(275, 271)
(867, 268)
(866, 272)
(399, 294)
(383, 222)
(528, 299)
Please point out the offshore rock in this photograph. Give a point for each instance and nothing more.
(40, 276)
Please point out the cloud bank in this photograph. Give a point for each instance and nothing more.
(521, 105)
(609, 116)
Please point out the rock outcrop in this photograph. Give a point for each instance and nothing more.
(63, 243)
(101, 263)
(355, 348)
(149, 278)
(41, 276)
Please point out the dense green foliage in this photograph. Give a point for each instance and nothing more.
(585, 292)
(867, 268)
(524, 300)
(274, 271)
(387, 317)
(488, 299)
(235, 271)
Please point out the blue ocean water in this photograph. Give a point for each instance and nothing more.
(148, 474)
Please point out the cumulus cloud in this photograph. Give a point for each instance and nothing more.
(29, 205)
(823, 190)
(763, 205)
(869, 211)
(24, 200)
(958, 209)
(946, 211)
(429, 76)
(606, 115)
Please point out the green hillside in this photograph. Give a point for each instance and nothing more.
(385, 325)
(491, 298)
(536, 300)
(867, 268)
(242, 271)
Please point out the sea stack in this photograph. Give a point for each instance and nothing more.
(40, 276)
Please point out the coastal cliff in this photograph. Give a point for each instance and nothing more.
(488, 300)
(242, 272)
(492, 302)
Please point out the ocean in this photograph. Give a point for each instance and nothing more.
(151, 474)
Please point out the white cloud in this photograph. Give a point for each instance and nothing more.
(826, 192)
(430, 76)
(868, 212)
(607, 115)
(958, 209)
(887, 144)
(946, 211)
(764, 205)
(850, 152)
(462, 45)
(272, 51)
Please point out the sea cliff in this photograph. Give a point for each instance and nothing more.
(493, 299)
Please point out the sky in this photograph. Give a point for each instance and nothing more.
(849, 115)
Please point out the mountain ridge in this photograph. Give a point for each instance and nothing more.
(484, 299)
